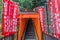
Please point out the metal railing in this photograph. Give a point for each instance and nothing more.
(11, 37)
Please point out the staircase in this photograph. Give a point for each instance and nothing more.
(30, 33)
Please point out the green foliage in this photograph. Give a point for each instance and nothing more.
(1, 2)
(16, 0)
(29, 4)
(0, 7)
(21, 1)
(26, 4)
(36, 3)
(0, 17)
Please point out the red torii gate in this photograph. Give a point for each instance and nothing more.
(24, 16)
